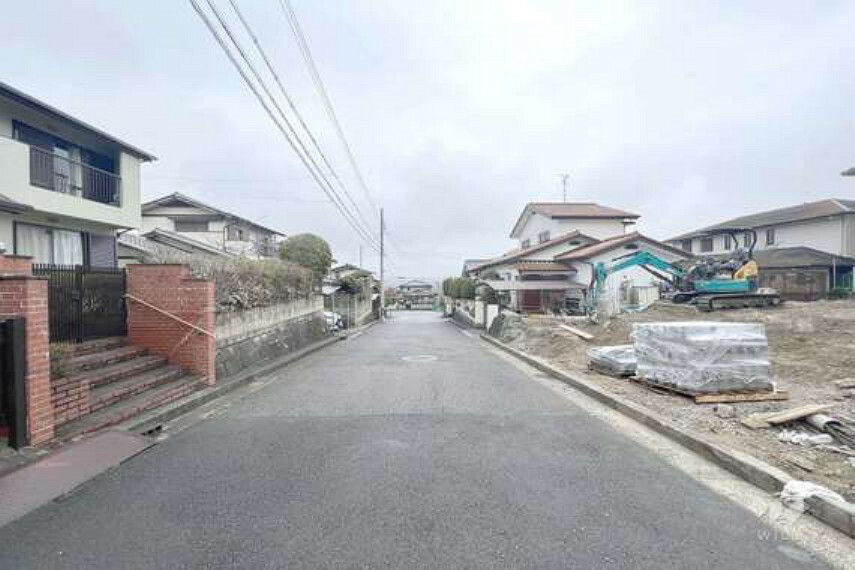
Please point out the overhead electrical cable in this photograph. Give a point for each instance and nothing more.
(293, 107)
(287, 131)
(300, 38)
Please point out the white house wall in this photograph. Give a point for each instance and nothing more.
(826, 234)
(15, 173)
(600, 229)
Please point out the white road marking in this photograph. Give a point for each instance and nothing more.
(800, 530)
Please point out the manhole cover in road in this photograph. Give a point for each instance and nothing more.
(419, 358)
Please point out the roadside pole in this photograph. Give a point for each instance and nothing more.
(382, 285)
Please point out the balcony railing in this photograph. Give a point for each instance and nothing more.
(60, 174)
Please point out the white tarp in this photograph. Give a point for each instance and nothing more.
(703, 356)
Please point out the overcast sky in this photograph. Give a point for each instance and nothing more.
(459, 112)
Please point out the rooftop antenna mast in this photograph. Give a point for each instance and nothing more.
(565, 176)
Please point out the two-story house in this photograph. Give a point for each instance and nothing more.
(803, 250)
(558, 245)
(66, 187)
(177, 216)
(416, 294)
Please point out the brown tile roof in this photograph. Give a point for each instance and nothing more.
(542, 265)
(581, 210)
(518, 253)
(800, 256)
(806, 211)
(612, 243)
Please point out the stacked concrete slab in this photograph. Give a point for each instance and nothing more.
(704, 357)
(618, 360)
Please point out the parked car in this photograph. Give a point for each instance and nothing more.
(334, 322)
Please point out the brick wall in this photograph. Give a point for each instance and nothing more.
(171, 289)
(22, 295)
(70, 399)
(16, 265)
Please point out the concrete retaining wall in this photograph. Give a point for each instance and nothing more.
(251, 349)
(240, 324)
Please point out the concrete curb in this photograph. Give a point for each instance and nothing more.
(749, 468)
(165, 413)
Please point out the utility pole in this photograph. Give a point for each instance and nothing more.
(382, 285)
(565, 176)
(360, 256)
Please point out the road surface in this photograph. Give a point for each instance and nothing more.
(412, 445)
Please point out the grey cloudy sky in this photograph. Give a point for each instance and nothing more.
(460, 112)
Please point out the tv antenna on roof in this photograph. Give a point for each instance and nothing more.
(565, 176)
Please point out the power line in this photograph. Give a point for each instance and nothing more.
(366, 234)
(300, 38)
(295, 142)
(291, 104)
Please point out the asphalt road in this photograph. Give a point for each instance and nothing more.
(410, 446)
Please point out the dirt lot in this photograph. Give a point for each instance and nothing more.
(812, 344)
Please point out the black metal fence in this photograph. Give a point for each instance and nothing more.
(61, 174)
(84, 303)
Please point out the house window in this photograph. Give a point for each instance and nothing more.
(237, 234)
(190, 226)
(746, 239)
(526, 243)
(727, 244)
(686, 245)
(49, 245)
(770, 236)
(543, 236)
(706, 244)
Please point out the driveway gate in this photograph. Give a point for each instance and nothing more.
(84, 303)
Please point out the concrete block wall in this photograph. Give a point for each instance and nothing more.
(173, 290)
(22, 295)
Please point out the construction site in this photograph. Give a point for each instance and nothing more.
(776, 382)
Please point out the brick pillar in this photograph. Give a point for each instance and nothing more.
(22, 295)
(172, 289)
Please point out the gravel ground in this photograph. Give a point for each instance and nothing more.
(811, 345)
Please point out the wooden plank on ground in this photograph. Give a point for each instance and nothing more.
(577, 332)
(759, 421)
(735, 397)
(785, 416)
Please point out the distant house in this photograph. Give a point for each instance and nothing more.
(163, 246)
(416, 294)
(187, 217)
(802, 250)
(558, 245)
(66, 187)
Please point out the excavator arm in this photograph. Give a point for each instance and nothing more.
(643, 259)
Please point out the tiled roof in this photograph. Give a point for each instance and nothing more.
(785, 257)
(806, 211)
(519, 253)
(613, 243)
(580, 210)
(538, 265)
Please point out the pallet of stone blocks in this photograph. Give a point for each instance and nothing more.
(616, 361)
(704, 357)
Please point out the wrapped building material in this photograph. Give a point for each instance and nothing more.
(618, 360)
(704, 357)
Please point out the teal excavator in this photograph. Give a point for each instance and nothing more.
(708, 283)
